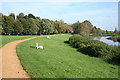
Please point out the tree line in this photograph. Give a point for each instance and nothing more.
(29, 24)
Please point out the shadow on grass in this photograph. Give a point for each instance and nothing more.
(32, 47)
(114, 61)
(82, 50)
(67, 42)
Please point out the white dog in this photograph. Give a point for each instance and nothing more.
(48, 37)
(41, 47)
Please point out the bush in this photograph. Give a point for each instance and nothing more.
(95, 48)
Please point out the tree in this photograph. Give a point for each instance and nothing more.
(26, 17)
(61, 27)
(119, 33)
(81, 28)
(47, 27)
(75, 27)
(38, 22)
(84, 29)
(12, 15)
(88, 23)
(31, 16)
(21, 15)
(32, 26)
(55, 31)
(18, 27)
(25, 23)
(94, 30)
(7, 24)
(115, 31)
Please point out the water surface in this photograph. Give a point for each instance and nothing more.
(105, 40)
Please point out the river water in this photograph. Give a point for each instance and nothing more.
(105, 40)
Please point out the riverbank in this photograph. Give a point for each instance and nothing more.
(97, 35)
(115, 38)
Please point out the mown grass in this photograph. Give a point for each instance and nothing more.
(60, 60)
(6, 39)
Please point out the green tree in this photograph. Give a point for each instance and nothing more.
(18, 27)
(94, 30)
(115, 31)
(61, 27)
(81, 28)
(32, 26)
(7, 24)
(25, 23)
(12, 15)
(47, 27)
(31, 16)
(38, 22)
(76, 26)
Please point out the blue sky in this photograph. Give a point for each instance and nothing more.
(103, 15)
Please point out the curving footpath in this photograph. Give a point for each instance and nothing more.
(11, 67)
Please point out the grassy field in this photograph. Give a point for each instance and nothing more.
(60, 60)
(6, 39)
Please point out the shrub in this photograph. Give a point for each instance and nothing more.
(95, 48)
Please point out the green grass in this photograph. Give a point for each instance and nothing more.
(102, 35)
(117, 37)
(60, 60)
(6, 39)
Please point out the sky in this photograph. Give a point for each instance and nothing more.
(103, 15)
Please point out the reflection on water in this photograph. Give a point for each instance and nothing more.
(105, 40)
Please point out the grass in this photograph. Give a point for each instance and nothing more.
(117, 37)
(60, 60)
(102, 35)
(6, 39)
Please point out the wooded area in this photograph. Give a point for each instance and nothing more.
(29, 24)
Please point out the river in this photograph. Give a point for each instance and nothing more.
(105, 40)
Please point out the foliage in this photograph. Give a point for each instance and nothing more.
(25, 24)
(18, 27)
(21, 15)
(7, 24)
(32, 25)
(97, 31)
(47, 27)
(116, 31)
(31, 16)
(12, 15)
(81, 28)
(95, 48)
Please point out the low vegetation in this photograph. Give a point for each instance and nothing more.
(7, 39)
(95, 48)
(60, 60)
